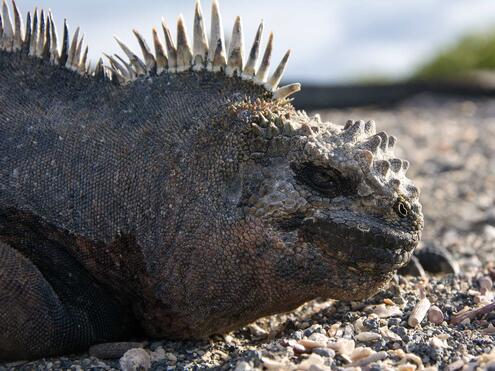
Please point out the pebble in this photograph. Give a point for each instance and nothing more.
(361, 352)
(388, 302)
(243, 366)
(407, 367)
(313, 363)
(435, 315)
(158, 355)
(172, 358)
(379, 356)
(299, 349)
(318, 337)
(438, 343)
(485, 283)
(136, 359)
(359, 325)
(332, 331)
(311, 344)
(454, 366)
(273, 365)
(385, 311)
(324, 352)
(368, 336)
(343, 346)
(389, 334)
(257, 331)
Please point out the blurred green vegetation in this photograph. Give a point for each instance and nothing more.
(472, 53)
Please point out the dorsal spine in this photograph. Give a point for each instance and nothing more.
(39, 39)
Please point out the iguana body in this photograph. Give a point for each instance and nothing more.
(176, 200)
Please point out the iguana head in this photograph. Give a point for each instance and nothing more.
(337, 194)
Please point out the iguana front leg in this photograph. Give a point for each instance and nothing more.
(43, 314)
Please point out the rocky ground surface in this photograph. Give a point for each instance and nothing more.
(424, 322)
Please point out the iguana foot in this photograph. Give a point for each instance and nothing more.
(43, 313)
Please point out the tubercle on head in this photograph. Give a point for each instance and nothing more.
(356, 148)
(39, 39)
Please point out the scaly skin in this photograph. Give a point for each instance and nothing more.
(181, 206)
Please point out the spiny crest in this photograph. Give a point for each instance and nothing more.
(357, 144)
(39, 39)
(375, 153)
(204, 55)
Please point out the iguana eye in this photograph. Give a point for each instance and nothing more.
(322, 179)
(401, 209)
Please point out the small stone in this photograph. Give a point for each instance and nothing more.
(299, 349)
(360, 353)
(243, 366)
(314, 363)
(394, 322)
(311, 344)
(385, 311)
(454, 366)
(271, 364)
(438, 343)
(343, 346)
(435, 315)
(368, 336)
(288, 342)
(332, 331)
(389, 334)
(380, 356)
(324, 352)
(388, 301)
(407, 367)
(298, 335)
(318, 337)
(157, 355)
(359, 325)
(257, 331)
(136, 359)
(485, 283)
(172, 358)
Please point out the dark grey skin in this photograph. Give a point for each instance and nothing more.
(180, 206)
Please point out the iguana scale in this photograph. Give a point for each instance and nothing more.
(180, 194)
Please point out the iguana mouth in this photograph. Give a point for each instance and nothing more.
(371, 246)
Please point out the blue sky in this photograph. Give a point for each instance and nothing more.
(331, 41)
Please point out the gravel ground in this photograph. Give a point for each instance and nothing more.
(451, 146)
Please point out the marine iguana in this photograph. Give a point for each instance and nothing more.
(179, 194)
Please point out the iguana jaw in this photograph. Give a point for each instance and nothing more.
(371, 246)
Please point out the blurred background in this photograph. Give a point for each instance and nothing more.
(334, 43)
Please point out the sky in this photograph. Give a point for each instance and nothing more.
(332, 41)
